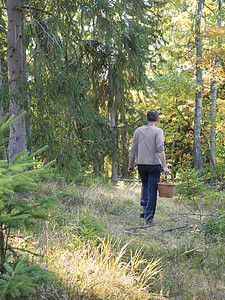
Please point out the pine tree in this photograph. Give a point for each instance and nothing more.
(17, 81)
(94, 54)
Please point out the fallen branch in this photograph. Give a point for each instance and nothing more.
(176, 228)
(135, 228)
(132, 232)
(193, 214)
(199, 247)
(188, 226)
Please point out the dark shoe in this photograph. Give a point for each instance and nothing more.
(150, 222)
(142, 215)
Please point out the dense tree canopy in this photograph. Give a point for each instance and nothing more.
(92, 69)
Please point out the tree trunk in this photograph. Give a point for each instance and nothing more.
(213, 121)
(97, 159)
(2, 250)
(112, 114)
(3, 152)
(114, 177)
(214, 99)
(27, 104)
(96, 165)
(17, 83)
(125, 152)
(198, 159)
(1, 104)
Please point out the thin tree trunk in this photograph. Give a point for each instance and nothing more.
(3, 152)
(112, 113)
(125, 152)
(114, 177)
(214, 99)
(97, 159)
(172, 152)
(213, 119)
(1, 104)
(198, 158)
(17, 86)
(27, 105)
(2, 250)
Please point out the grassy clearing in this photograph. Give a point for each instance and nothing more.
(92, 246)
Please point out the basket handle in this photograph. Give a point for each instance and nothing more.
(168, 174)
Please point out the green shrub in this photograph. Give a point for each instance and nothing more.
(86, 227)
(215, 226)
(191, 185)
(19, 210)
(22, 279)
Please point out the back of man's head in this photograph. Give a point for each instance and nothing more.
(152, 115)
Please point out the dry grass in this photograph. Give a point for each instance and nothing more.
(191, 266)
(101, 273)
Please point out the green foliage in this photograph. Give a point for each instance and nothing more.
(87, 227)
(20, 280)
(94, 54)
(19, 209)
(213, 200)
(115, 206)
(217, 172)
(90, 227)
(92, 57)
(215, 226)
(175, 94)
(192, 184)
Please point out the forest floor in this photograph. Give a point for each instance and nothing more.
(179, 258)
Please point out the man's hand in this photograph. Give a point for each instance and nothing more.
(130, 170)
(166, 171)
(163, 160)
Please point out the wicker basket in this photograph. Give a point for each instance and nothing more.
(166, 190)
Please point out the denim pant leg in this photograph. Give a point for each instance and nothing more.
(142, 170)
(150, 176)
(153, 179)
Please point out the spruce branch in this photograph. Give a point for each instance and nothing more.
(38, 9)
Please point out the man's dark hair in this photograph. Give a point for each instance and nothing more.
(152, 115)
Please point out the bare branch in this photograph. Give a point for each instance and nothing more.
(23, 250)
(38, 9)
(210, 9)
(53, 39)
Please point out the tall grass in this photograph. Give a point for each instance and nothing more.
(101, 272)
(88, 263)
(191, 264)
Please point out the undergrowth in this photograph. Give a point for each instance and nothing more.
(91, 244)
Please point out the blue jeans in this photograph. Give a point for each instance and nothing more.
(150, 176)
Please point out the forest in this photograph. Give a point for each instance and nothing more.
(76, 80)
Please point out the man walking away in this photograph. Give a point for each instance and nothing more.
(148, 148)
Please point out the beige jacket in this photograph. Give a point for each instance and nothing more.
(148, 141)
